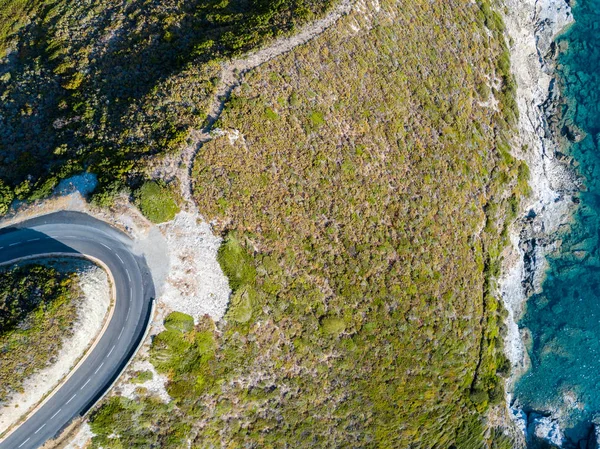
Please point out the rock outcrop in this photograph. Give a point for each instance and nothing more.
(533, 26)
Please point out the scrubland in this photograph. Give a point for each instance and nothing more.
(38, 308)
(107, 85)
(364, 185)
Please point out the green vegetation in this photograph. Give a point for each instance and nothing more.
(37, 310)
(108, 86)
(146, 424)
(142, 376)
(183, 353)
(177, 321)
(156, 201)
(364, 210)
(237, 264)
(13, 14)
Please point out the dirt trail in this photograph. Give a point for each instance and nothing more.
(231, 76)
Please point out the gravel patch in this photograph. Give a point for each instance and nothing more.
(81, 440)
(154, 386)
(196, 284)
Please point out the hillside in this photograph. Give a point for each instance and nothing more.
(107, 85)
(38, 306)
(364, 185)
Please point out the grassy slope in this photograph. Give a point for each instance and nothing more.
(365, 203)
(106, 84)
(37, 311)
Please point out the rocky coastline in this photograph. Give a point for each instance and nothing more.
(532, 27)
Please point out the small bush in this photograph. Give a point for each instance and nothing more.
(241, 306)
(177, 321)
(6, 198)
(317, 118)
(142, 376)
(332, 325)
(236, 263)
(156, 202)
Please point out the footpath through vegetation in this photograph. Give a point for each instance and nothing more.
(109, 86)
(364, 184)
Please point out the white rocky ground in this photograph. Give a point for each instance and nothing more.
(81, 438)
(528, 21)
(154, 386)
(196, 284)
(532, 26)
(91, 315)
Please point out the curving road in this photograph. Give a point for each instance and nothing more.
(77, 233)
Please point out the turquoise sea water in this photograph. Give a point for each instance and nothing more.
(564, 319)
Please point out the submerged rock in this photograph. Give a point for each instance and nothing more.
(573, 133)
(543, 431)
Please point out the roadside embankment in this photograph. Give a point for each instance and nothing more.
(93, 306)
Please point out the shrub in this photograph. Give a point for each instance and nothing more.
(241, 305)
(177, 321)
(6, 198)
(332, 325)
(142, 376)
(156, 202)
(237, 264)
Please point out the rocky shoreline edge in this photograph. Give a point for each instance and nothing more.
(532, 26)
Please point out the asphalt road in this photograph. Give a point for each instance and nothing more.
(77, 233)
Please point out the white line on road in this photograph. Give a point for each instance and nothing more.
(59, 410)
(72, 397)
(126, 271)
(40, 428)
(33, 240)
(128, 310)
(107, 247)
(98, 369)
(120, 259)
(88, 381)
(111, 350)
(20, 445)
(13, 244)
(120, 333)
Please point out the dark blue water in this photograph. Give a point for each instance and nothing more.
(565, 318)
